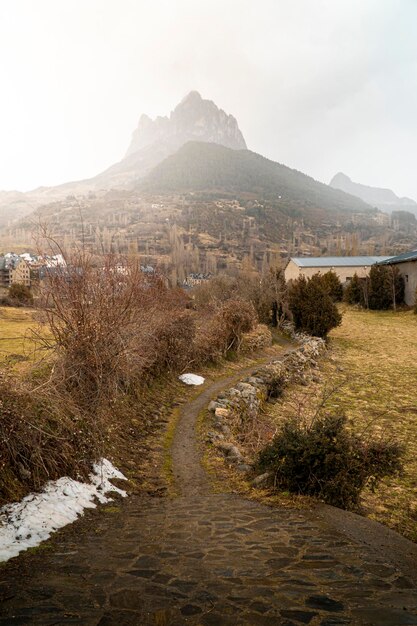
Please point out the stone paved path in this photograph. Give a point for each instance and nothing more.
(212, 559)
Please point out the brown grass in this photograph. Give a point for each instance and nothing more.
(18, 346)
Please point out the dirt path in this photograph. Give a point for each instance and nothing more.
(213, 559)
(188, 472)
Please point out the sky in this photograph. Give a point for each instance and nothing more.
(320, 85)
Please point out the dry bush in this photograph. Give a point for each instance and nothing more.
(220, 333)
(39, 439)
(258, 338)
(112, 326)
(267, 293)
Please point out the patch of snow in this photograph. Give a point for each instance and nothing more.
(27, 523)
(191, 379)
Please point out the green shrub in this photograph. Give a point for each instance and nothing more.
(326, 460)
(333, 285)
(312, 307)
(354, 291)
(386, 287)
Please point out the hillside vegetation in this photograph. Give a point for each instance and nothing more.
(201, 166)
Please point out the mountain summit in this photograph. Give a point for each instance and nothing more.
(193, 119)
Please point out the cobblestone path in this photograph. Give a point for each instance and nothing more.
(213, 560)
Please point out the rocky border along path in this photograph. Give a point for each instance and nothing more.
(213, 559)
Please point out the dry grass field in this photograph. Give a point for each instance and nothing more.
(371, 376)
(17, 342)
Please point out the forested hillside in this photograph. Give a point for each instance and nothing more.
(206, 166)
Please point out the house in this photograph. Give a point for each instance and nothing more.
(13, 269)
(193, 280)
(344, 266)
(407, 266)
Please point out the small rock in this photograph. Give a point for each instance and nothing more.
(212, 437)
(243, 467)
(245, 387)
(225, 446)
(234, 452)
(324, 603)
(220, 412)
(261, 479)
(212, 406)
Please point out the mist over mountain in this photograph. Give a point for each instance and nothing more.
(189, 177)
(384, 199)
(192, 119)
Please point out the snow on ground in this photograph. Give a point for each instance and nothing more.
(27, 523)
(191, 379)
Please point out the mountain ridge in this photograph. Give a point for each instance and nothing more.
(380, 197)
(199, 166)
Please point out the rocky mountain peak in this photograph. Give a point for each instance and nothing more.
(193, 119)
(193, 96)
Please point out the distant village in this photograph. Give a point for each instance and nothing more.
(28, 269)
(25, 269)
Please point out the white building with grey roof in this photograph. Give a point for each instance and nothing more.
(344, 266)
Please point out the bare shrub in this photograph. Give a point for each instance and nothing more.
(111, 325)
(220, 332)
(267, 293)
(40, 439)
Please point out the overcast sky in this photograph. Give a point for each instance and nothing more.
(320, 85)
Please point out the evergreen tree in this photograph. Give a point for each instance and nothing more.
(312, 307)
(333, 285)
(354, 292)
(386, 287)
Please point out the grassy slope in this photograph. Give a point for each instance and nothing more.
(379, 353)
(373, 369)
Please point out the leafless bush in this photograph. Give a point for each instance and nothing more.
(39, 439)
(110, 324)
(221, 332)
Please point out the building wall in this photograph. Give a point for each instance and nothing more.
(21, 274)
(409, 271)
(293, 271)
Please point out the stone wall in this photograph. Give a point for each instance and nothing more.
(246, 399)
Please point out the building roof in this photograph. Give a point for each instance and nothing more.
(338, 261)
(401, 258)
